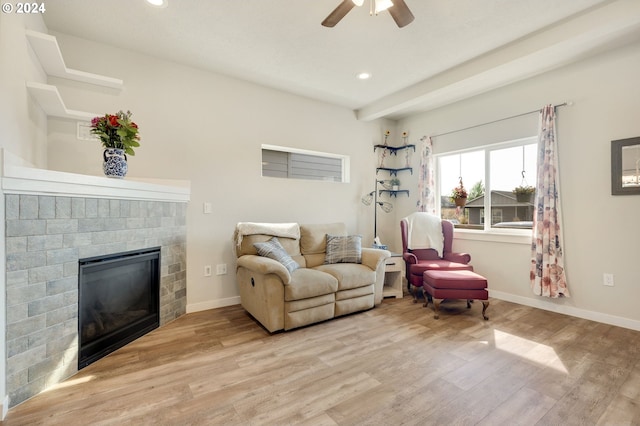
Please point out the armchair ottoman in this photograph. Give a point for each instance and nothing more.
(460, 284)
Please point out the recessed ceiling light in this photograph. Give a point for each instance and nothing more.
(363, 76)
(158, 3)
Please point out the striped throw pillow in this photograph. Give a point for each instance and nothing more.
(274, 250)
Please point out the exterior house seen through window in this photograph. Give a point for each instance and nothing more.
(498, 179)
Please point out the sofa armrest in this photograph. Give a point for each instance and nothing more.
(458, 257)
(373, 257)
(376, 260)
(264, 265)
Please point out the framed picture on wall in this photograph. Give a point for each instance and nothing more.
(625, 166)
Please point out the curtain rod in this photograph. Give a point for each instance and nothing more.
(498, 120)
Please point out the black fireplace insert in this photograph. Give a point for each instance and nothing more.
(118, 301)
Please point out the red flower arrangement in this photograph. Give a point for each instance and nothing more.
(117, 131)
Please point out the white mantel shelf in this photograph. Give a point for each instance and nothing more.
(18, 178)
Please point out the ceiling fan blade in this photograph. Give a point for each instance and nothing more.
(338, 13)
(400, 13)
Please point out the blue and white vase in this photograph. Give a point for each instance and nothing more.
(115, 163)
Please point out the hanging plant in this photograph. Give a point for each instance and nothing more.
(459, 195)
(524, 193)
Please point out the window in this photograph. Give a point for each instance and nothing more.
(294, 163)
(496, 170)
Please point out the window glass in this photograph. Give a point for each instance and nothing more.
(470, 167)
(510, 168)
(495, 170)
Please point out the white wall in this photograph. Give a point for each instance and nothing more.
(208, 129)
(22, 129)
(601, 231)
(23, 124)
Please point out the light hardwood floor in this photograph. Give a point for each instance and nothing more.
(391, 365)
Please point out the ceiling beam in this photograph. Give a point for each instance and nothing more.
(590, 33)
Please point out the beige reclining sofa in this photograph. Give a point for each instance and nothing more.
(327, 282)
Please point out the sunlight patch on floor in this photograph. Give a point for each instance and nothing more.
(69, 383)
(529, 350)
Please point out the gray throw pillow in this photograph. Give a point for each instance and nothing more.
(341, 249)
(274, 250)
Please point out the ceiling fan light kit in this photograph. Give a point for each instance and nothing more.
(158, 3)
(398, 10)
(380, 5)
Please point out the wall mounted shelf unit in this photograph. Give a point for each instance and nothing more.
(392, 171)
(394, 149)
(51, 102)
(394, 193)
(48, 52)
(47, 96)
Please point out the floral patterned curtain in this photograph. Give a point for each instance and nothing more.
(426, 179)
(547, 264)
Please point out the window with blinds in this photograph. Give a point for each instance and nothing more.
(299, 164)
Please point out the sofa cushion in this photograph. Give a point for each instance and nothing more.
(246, 246)
(367, 290)
(274, 250)
(307, 282)
(313, 238)
(437, 264)
(349, 275)
(343, 249)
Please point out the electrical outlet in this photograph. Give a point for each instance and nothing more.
(207, 271)
(207, 208)
(221, 269)
(608, 280)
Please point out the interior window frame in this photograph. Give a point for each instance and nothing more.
(486, 226)
(345, 162)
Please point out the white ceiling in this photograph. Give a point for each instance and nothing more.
(281, 44)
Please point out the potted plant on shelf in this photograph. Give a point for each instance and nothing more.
(118, 135)
(395, 184)
(524, 193)
(459, 195)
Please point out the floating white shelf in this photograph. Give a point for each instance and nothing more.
(48, 52)
(51, 102)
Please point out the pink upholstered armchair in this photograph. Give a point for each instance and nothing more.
(420, 260)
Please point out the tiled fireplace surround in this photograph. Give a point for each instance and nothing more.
(50, 224)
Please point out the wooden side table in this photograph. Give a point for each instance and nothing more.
(393, 276)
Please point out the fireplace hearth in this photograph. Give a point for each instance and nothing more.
(119, 301)
(53, 219)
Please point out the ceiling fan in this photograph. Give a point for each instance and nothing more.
(397, 8)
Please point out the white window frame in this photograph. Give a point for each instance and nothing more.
(345, 161)
(488, 233)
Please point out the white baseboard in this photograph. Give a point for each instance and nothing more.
(521, 300)
(212, 304)
(567, 310)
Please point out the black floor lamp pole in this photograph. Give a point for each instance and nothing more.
(375, 212)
